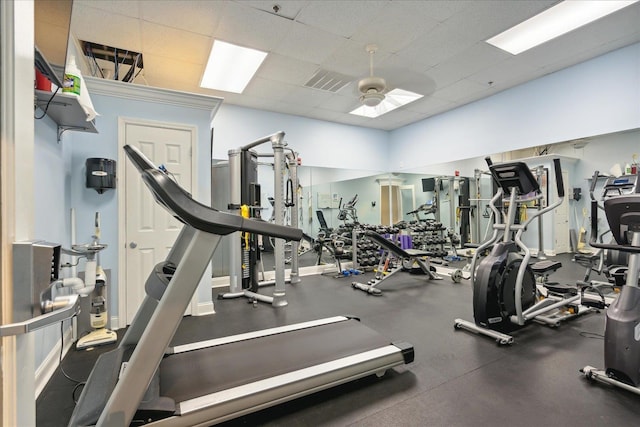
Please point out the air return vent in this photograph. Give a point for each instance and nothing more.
(328, 81)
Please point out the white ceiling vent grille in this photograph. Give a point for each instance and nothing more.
(328, 80)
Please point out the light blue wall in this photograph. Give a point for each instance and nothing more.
(319, 143)
(51, 183)
(600, 153)
(596, 97)
(105, 144)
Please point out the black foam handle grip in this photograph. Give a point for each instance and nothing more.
(559, 181)
(594, 181)
(488, 160)
(594, 221)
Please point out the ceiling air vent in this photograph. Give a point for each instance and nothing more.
(328, 80)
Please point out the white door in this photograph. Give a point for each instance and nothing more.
(150, 229)
(561, 242)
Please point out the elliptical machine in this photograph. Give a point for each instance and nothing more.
(505, 294)
(622, 327)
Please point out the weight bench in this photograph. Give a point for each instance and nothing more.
(407, 258)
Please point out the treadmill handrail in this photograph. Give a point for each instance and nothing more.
(181, 205)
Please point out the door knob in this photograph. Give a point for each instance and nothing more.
(133, 245)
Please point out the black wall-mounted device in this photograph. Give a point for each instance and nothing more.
(101, 174)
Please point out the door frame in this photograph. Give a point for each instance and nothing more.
(122, 217)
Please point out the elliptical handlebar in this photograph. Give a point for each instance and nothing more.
(488, 160)
(594, 181)
(559, 180)
(594, 233)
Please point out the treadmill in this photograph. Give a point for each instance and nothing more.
(143, 381)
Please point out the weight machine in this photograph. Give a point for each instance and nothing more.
(245, 200)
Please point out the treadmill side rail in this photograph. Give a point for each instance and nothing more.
(232, 403)
(251, 335)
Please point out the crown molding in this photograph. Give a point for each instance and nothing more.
(132, 91)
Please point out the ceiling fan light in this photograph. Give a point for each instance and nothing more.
(372, 99)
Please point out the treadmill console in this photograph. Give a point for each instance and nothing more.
(620, 186)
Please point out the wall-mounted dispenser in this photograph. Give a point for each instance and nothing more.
(101, 174)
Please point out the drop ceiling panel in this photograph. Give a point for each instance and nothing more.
(287, 70)
(437, 10)
(484, 19)
(507, 73)
(351, 58)
(170, 42)
(460, 91)
(340, 17)
(288, 9)
(430, 105)
(130, 8)
(203, 19)
(160, 71)
(306, 96)
(344, 102)
(436, 48)
(250, 27)
(268, 89)
(97, 25)
(478, 57)
(383, 30)
(309, 43)
(294, 109)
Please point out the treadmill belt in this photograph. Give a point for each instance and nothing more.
(196, 373)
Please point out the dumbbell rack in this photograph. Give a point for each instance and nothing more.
(428, 236)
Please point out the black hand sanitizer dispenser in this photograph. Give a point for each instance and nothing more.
(101, 174)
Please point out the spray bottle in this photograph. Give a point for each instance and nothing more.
(72, 78)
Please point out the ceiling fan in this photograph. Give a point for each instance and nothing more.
(378, 97)
(372, 89)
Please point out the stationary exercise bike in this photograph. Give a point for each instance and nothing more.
(505, 289)
(622, 327)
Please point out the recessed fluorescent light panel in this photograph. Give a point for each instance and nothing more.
(231, 67)
(554, 22)
(392, 100)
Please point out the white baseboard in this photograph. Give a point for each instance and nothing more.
(547, 252)
(205, 308)
(222, 281)
(113, 324)
(48, 367)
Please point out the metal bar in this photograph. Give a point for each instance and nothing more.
(295, 246)
(71, 308)
(275, 138)
(593, 373)
(472, 327)
(279, 293)
(532, 314)
(235, 195)
(256, 334)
